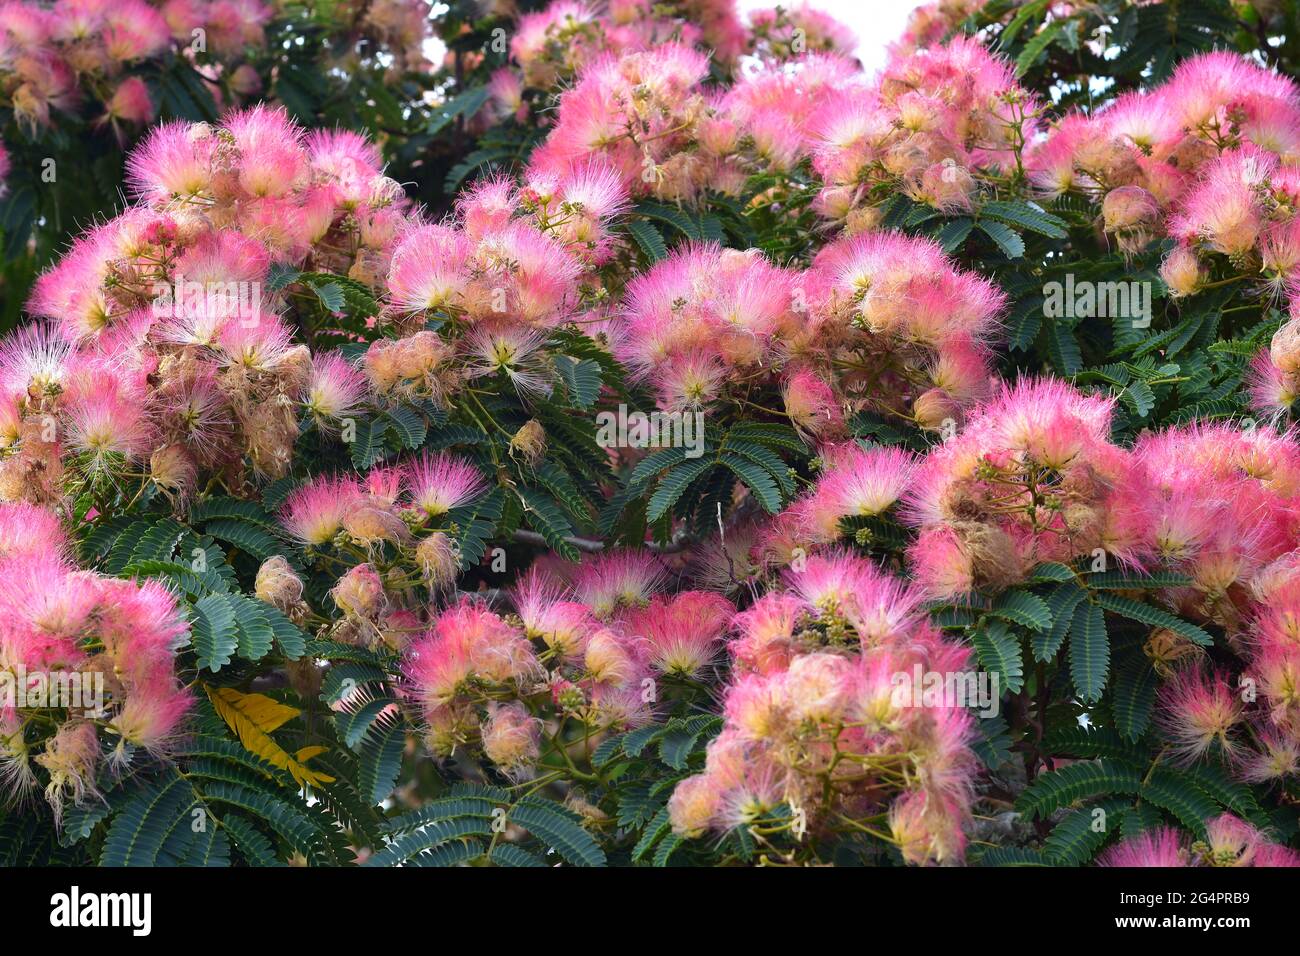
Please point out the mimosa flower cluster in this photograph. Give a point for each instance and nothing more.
(512, 263)
(1275, 372)
(394, 505)
(855, 483)
(55, 58)
(1208, 158)
(881, 322)
(1032, 477)
(639, 97)
(935, 124)
(599, 646)
(814, 720)
(1229, 841)
(550, 46)
(166, 346)
(638, 113)
(511, 255)
(117, 638)
(875, 474)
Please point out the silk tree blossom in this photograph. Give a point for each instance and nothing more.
(314, 513)
(811, 716)
(1230, 841)
(511, 351)
(1032, 477)
(1160, 847)
(71, 52)
(618, 580)
(51, 611)
(174, 297)
(855, 483)
(335, 390)
(934, 122)
(486, 265)
(511, 739)
(1200, 713)
(1220, 511)
(895, 325)
(684, 632)
(440, 482)
(635, 113)
(418, 366)
(783, 32)
(1208, 157)
(703, 319)
(1274, 375)
(578, 208)
(551, 615)
(769, 119)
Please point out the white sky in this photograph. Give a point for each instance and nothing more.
(877, 23)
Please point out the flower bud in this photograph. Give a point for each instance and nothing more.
(277, 584)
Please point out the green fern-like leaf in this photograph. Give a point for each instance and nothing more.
(379, 757)
(475, 523)
(1023, 608)
(284, 818)
(658, 826)
(998, 649)
(214, 631)
(1060, 788)
(1081, 833)
(1089, 651)
(256, 635)
(251, 843)
(756, 479)
(547, 518)
(1081, 742)
(1061, 604)
(250, 538)
(1173, 792)
(507, 854)
(559, 829)
(142, 831)
(1133, 694)
(1012, 856)
(674, 484)
(429, 837)
(1155, 617)
(649, 239)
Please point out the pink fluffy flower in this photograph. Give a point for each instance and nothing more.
(29, 530)
(842, 586)
(173, 161)
(856, 482)
(466, 641)
(271, 154)
(428, 269)
(684, 632)
(439, 482)
(314, 513)
(512, 739)
(613, 580)
(1158, 847)
(336, 389)
(976, 528)
(131, 102)
(1200, 713)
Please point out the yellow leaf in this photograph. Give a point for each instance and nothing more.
(265, 713)
(253, 717)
